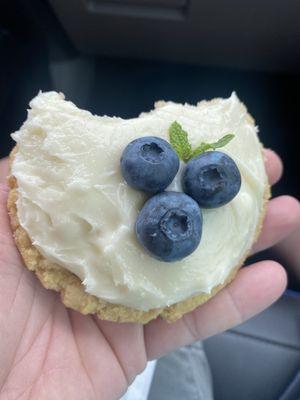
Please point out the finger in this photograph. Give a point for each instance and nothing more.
(289, 249)
(3, 169)
(98, 359)
(124, 341)
(4, 225)
(282, 218)
(253, 290)
(274, 166)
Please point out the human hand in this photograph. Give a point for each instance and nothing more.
(289, 250)
(50, 352)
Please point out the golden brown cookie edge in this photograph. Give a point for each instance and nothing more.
(52, 276)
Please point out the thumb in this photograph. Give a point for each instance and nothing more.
(3, 169)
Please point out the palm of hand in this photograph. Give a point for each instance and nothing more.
(49, 352)
(53, 352)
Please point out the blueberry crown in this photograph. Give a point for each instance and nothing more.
(169, 226)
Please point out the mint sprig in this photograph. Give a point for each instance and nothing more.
(180, 143)
(212, 146)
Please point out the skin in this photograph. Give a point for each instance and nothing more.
(289, 249)
(50, 352)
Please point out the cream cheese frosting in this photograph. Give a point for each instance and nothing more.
(79, 212)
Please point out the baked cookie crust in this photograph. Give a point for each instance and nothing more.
(53, 276)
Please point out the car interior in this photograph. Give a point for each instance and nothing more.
(117, 57)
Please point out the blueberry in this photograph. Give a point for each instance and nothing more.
(169, 226)
(149, 164)
(212, 179)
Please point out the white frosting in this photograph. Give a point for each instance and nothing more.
(80, 213)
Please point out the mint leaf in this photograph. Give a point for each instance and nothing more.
(179, 141)
(212, 146)
(223, 141)
(201, 149)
